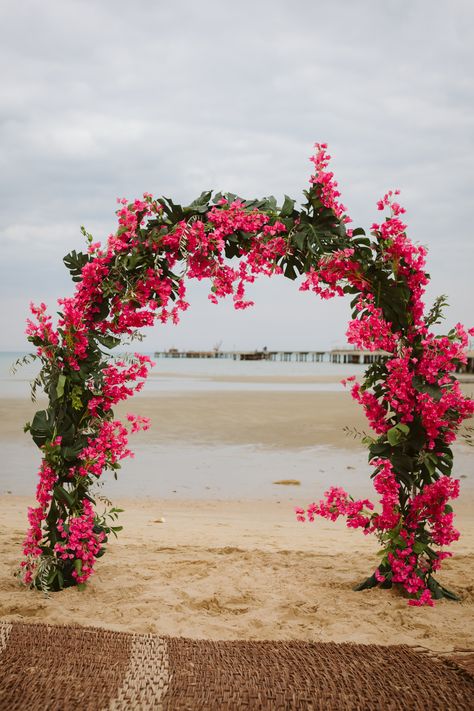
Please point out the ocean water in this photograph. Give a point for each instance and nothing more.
(192, 374)
(190, 471)
(193, 471)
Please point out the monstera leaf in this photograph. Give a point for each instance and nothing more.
(74, 261)
(42, 427)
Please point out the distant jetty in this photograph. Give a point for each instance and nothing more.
(349, 356)
(334, 356)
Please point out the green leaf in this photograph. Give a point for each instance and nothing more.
(42, 427)
(433, 390)
(445, 467)
(66, 429)
(435, 588)
(175, 213)
(430, 465)
(107, 341)
(103, 310)
(299, 239)
(371, 582)
(287, 207)
(51, 577)
(200, 204)
(61, 493)
(435, 314)
(70, 453)
(379, 448)
(231, 250)
(402, 462)
(74, 261)
(397, 433)
(449, 595)
(400, 542)
(439, 591)
(394, 436)
(406, 476)
(269, 204)
(60, 385)
(290, 272)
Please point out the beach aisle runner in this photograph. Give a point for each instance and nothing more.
(65, 668)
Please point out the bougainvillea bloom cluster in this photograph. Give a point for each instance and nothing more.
(138, 278)
(411, 399)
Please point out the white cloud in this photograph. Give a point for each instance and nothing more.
(113, 98)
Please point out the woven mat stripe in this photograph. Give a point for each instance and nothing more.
(277, 676)
(147, 676)
(5, 629)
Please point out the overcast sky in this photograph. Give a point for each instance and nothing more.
(107, 98)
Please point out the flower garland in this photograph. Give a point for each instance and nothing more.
(411, 397)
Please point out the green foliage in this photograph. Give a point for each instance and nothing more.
(397, 434)
(434, 391)
(435, 314)
(104, 522)
(287, 208)
(20, 362)
(439, 591)
(370, 582)
(42, 428)
(108, 341)
(75, 261)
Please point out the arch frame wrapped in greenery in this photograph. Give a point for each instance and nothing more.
(411, 396)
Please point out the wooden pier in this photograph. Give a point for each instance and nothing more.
(347, 356)
(469, 366)
(285, 356)
(358, 357)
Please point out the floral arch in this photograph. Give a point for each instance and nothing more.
(411, 399)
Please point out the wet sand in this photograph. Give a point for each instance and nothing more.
(272, 419)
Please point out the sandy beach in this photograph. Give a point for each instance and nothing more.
(273, 419)
(229, 570)
(241, 568)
